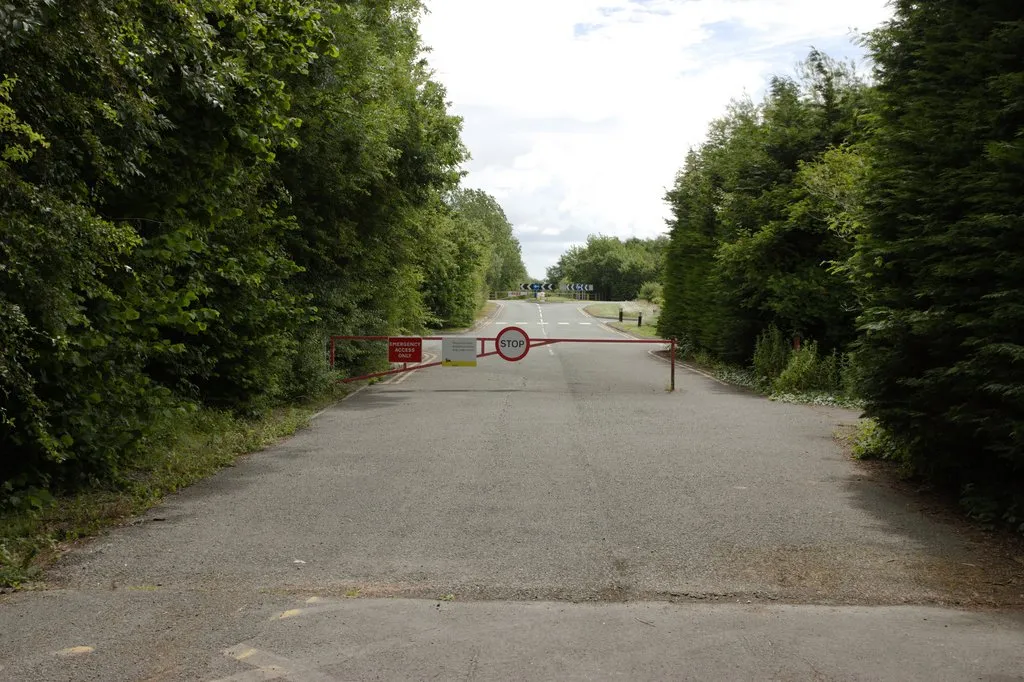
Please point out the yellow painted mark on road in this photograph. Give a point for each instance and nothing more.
(269, 666)
(75, 651)
(290, 613)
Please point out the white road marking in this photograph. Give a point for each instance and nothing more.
(687, 367)
(565, 323)
(396, 379)
(586, 323)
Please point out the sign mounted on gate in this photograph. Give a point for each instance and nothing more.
(405, 349)
(512, 344)
(458, 351)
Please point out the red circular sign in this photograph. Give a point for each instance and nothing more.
(512, 344)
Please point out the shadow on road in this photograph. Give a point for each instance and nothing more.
(962, 563)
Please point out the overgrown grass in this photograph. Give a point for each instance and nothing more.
(630, 311)
(486, 310)
(187, 448)
(647, 331)
(605, 310)
(798, 388)
(730, 374)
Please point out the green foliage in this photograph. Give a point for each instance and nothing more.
(808, 370)
(195, 194)
(616, 268)
(771, 355)
(872, 441)
(752, 236)
(653, 292)
(183, 448)
(887, 224)
(939, 262)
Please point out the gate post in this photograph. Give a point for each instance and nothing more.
(673, 382)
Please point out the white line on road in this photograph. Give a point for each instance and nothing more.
(565, 323)
(654, 354)
(586, 323)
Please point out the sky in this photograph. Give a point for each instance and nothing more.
(579, 113)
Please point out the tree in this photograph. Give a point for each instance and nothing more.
(195, 194)
(750, 246)
(616, 268)
(940, 262)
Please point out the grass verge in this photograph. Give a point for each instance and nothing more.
(647, 331)
(606, 310)
(745, 377)
(190, 448)
(485, 311)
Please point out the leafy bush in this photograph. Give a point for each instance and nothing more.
(771, 355)
(652, 292)
(872, 441)
(807, 370)
(939, 260)
(195, 196)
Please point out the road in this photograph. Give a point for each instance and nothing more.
(563, 517)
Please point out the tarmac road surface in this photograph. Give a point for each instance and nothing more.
(562, 517)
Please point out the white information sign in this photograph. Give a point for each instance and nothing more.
(458, 352)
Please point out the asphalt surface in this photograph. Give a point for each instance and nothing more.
(562, 517)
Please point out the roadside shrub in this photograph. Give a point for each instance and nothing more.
(873, 441)
(809, 371)
(850, 375)
(771, 355)
(653, 292)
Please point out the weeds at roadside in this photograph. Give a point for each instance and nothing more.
(184, 452)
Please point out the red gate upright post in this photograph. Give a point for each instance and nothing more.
(673, 365)
(332, 352)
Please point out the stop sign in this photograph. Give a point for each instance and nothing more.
(512, 344)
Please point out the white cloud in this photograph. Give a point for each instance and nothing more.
(578, 113)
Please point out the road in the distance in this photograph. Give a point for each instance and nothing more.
(560, 517)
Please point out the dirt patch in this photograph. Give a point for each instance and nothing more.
(991, 571)
(873, 575)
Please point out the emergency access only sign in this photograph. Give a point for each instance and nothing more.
(512, 344)
(405, 349)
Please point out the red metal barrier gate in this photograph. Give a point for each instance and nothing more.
(533, 343)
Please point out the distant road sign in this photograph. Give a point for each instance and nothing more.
(405, 349)
(512, 344)
(538, 286)
(458, 351)
(577, 287)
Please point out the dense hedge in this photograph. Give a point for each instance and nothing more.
(885, 222)
(195, 192)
